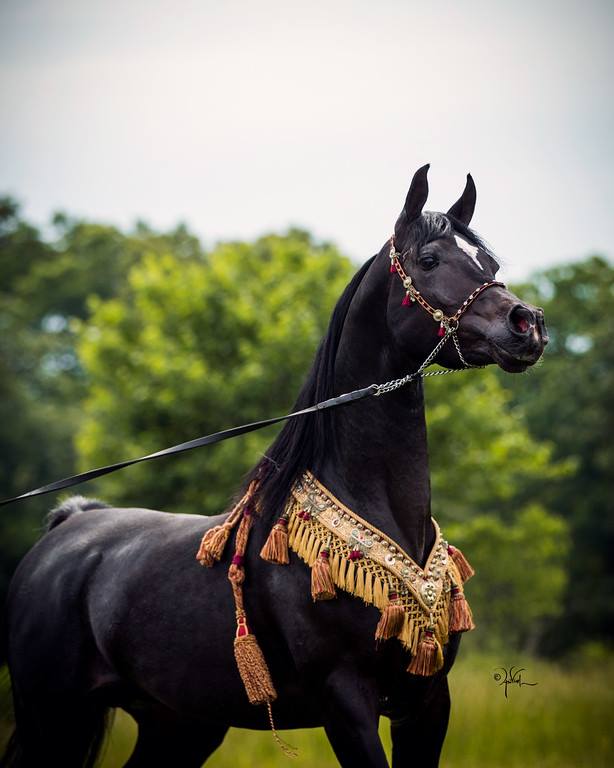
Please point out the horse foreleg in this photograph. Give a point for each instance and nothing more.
(171, 742)
(351, 720)
(419, 733)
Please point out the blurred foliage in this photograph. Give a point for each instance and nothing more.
(487, 472)
(44, 290)
(568, 401)
(115, 344)
(187, 350)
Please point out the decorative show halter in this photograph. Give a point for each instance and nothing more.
(448, 326)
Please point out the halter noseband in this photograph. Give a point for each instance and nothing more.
(448, 325)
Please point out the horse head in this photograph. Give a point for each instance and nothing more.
(441, 266)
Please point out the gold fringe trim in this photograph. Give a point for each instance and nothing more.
(421, 633)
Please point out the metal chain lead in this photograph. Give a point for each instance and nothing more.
(390, 386)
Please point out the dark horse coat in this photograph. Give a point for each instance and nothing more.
(111, 609)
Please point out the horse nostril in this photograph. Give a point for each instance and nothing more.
(521, 319)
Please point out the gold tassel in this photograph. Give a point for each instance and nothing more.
(212, 545)
(253, 668)
(294, 522)
(349, 577)
(428, 657)
(312, 550)
(340, 581)
(460, 561)
(214, 541)
(334, 567)
(442, 625)
(359, 587)
(378, 594)
(322, 586)
(302, 545)
(461, 619)
(391, 620)
(368, 596)
(275, 549)
(408, 634)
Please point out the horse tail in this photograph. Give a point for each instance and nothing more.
(69, 507)
(17, 754)
(13, 755)
(27, 746)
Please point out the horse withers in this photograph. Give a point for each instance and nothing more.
(110, 608)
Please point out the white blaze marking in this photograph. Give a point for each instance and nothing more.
(470, 250)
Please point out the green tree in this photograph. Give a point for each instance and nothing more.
(44, 292)
(187, 349)
(487, 476)
(569, 403)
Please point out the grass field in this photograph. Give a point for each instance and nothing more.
(565, 721)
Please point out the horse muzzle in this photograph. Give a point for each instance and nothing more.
(522, 339)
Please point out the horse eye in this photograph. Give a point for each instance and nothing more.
(428, 262)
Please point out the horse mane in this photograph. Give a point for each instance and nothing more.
(305, 440)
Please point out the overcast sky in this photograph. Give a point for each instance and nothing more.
(245, 117)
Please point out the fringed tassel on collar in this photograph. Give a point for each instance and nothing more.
(322, 585)
(460, 561)
(391, 620)
(461, 619)
(428, 658)
(275, 549)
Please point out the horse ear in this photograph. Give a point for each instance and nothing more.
(464, 207)
(417, 195)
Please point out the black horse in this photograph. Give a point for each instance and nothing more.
(110, 608)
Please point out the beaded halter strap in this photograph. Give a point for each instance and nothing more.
(448, 325)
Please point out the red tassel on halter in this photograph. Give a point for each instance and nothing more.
(406, 301)
(393, 267)
(460, 561)
(442, 331)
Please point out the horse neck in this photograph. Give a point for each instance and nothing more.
(379, 463)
